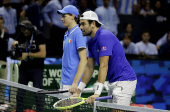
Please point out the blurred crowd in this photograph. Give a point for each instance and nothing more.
(44, 13)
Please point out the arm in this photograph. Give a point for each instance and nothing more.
(41, 53)
(22, 14)
(104, 60)
(15, 18)
(81, 66)
(87, 73)
(103, 69)
(47, 9)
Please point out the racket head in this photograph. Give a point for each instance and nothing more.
(68, 103)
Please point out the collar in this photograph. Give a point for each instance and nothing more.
(97, 34)
(2, 34)
(68, 33)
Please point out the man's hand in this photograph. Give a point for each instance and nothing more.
(75, 95)
(6, 30)
(73, 88)
(92, 98)
(14, 44)
(24, 56)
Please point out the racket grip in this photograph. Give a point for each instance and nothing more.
(104, 98)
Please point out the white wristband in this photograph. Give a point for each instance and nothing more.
(81, 86)
(99, 88)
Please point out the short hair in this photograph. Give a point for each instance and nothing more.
(126, 24)
(98, 25)
(128, 36)
(1, 18)
(145, 31)
(75, 18)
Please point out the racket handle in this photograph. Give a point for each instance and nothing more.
(104, 98)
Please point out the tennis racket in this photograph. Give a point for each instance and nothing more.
(71, 102)
(52, 91)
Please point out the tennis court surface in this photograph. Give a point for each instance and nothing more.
(15, 93)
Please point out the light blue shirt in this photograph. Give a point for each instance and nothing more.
(10, 19)
(108, 17)
(51, 9)
(73, 40)
(100, 3)
(149, 49)
(126, 6)
(131, 49)
(162, 40)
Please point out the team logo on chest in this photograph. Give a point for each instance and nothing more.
(70, 40)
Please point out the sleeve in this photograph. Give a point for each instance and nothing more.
(105, 45)
(15, 18)
(90, 53)
(40, 39)
(80, 40)
(135, 50)
(30, 9)
(47, 9)
(155, 51)
(162, 40)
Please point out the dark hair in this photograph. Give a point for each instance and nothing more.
(97, 24)
(128, 36)
(126, 24)
(145, 31)
(1, 18)
(75, 18)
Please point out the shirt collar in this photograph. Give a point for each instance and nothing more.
(97, 34)
(71, 31)
(2, 34)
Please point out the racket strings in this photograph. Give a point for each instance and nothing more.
(68, 102)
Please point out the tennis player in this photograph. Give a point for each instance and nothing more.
(74, 57)
(105, 49)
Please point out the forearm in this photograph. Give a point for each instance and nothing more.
(80, 70)
(38, 55)
(86, 76)
(102, 74)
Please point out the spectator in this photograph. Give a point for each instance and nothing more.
(4, 37)
(162, 41)
(126, 6)
(158, 9)
(128, 46)
(129, 31)
(165, 48)
(144, 47)
(10, 18)
(34, 14)
(108, 16)
(82, 6)
(57, 29)
(32, 62)
(147, 10)
(100, 3)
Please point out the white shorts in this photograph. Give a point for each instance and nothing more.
(122, 92)
(65, 87)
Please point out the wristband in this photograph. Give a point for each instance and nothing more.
(81, 86)
(99, 88)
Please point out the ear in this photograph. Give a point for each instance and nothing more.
(73, 16)
(93, 24)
